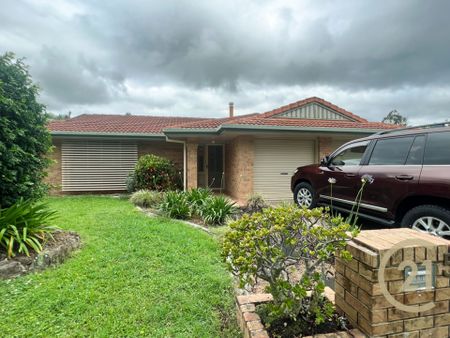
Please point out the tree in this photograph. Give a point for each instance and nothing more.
(59, 116)
(24, 138)
(394, 117)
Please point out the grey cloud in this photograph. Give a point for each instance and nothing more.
(195, 56)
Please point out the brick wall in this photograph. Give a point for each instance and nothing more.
(359, 294)
(191, 165)
(239, 156)
(54, 176)
(170, 150)
(325, 146)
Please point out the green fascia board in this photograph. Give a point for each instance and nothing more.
(252, 127)
(97, 134)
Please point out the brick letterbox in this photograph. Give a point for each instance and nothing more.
(396, 285)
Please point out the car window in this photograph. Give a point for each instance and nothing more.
(349, 156)
(416, 152)
(438, 149)
(391, 151)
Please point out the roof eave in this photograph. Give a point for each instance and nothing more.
(105, 134)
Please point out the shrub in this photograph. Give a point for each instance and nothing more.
(175, 205)
(156, 173)
(146, 198)
(197, 197)
(25, 139)
(131, 183)
(23, 226)
(255, 203)
(216, 209)
(267, 245)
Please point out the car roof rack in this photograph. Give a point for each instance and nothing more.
(423, 126)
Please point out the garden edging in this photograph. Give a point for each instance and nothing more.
(252, 327)
(52, 255)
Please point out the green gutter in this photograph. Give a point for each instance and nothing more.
(97, 134)
(262, 128)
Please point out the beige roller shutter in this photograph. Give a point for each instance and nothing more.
(96, 165)
(274, 164)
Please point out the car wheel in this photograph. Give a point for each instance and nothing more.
(304, 195)
(432, 219)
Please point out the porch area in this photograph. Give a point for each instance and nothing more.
(225, 167)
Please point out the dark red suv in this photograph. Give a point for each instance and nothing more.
(411, 172)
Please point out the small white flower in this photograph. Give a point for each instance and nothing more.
(332, 180)
(366, 178)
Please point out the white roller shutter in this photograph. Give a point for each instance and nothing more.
(96, 165)
(274, 164)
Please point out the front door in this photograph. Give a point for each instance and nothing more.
(215, 166)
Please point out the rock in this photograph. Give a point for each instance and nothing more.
(9, 269)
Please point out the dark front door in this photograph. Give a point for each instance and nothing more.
(215, 166)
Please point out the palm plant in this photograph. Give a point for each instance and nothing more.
(24, 225)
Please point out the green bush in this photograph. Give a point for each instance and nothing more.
(24, 225)
(197, 197)
(216, 209)
(147, 198)
(24, 138)
(156, 173)
(131, 183)
(267, 245)
(175, 205)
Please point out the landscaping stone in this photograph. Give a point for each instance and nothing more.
(54, 252)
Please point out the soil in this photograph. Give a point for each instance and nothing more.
(289, 328)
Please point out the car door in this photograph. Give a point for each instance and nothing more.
(343, 168)
(395, 164)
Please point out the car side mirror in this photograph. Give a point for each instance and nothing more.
(324, 161)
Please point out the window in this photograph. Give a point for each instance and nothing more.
(392, 151)
(438, 149)
(416, 152)
(350, 156)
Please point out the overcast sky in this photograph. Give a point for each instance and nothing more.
(191, 58)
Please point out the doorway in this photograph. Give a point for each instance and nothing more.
(210, 166)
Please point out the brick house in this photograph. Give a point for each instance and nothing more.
(238, 155)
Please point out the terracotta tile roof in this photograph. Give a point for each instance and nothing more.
(314, 100)
(306, 123)
(212, 123)
(118, 124)
(160, 124)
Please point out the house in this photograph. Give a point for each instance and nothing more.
(239, 155)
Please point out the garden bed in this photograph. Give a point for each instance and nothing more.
(252, 325)
(54, 252)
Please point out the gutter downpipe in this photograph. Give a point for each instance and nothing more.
(184, 159)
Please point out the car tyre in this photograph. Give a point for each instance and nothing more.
(304, 195)
(433, 219)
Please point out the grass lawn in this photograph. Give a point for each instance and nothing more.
(134, 276)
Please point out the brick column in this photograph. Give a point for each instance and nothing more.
(191, 167)
(360, 295)
(325, 146)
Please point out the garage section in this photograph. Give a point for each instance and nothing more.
(275, 162)
(96, 165)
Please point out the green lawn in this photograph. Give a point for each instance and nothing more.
(134, 276)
